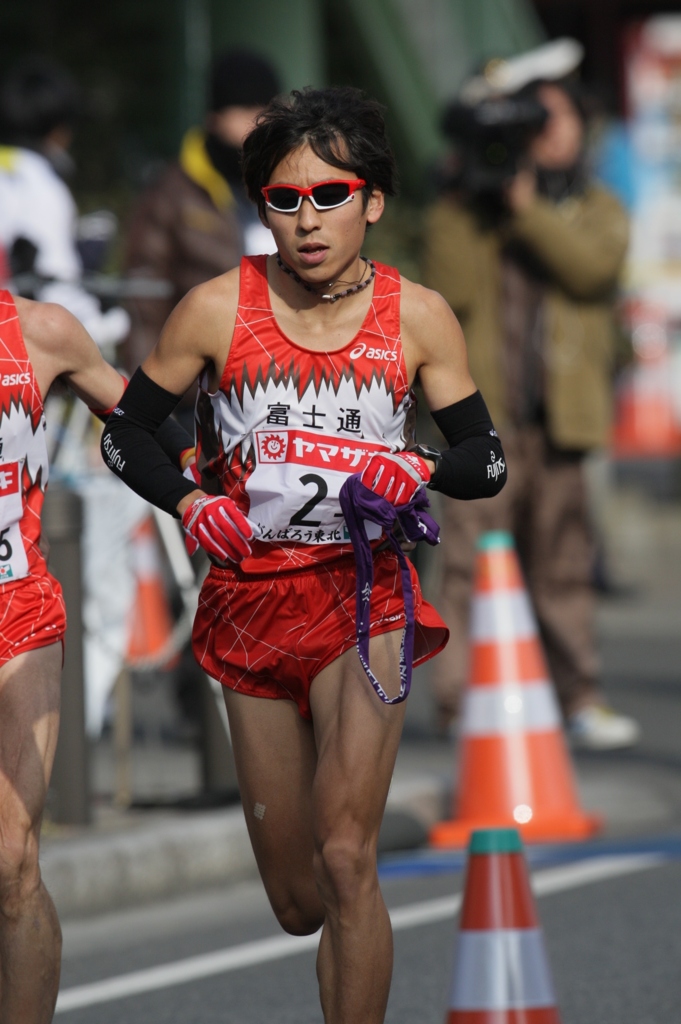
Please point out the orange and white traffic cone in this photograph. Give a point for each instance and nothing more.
(647, 425)
(150, 627)
(501, 970)
(514, 769)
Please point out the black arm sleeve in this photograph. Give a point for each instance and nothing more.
(134, 452)
(474, 465)
(172, 437)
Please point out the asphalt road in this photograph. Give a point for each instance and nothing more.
(612, 925)
(611, 910)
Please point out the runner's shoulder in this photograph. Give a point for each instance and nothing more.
(211, 301)
(202, 320)
(424, 313)
(47, 328)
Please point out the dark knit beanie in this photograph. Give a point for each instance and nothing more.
(36, 96)
(240, 78)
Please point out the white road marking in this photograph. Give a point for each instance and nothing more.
(550, 880)
(594, 869)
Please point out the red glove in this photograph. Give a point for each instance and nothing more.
(217, 525)
(396, 477)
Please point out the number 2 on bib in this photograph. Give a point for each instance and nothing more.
(298, 519)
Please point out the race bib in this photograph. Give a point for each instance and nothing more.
(295, 485)
(13, 561)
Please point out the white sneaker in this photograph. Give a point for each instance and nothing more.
(595, 727)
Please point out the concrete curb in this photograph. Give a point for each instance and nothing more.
(147, 862)
(171, 855)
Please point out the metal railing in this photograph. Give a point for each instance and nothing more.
(104, 286)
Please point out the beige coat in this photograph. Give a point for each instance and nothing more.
(581, 244)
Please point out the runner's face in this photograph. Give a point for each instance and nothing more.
(319, 244)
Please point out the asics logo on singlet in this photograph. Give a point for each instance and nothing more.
(373, 353)
(10, 379)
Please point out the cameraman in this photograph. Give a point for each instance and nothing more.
(530, 268)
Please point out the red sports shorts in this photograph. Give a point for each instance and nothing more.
(32, 614)
(271, 635)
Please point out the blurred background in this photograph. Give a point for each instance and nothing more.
(141, 70)
(144, 744)
(142, 67)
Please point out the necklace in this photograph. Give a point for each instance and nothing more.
(352, 290)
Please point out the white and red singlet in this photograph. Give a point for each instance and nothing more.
(32, 610)
(288, 425)
(284, 430)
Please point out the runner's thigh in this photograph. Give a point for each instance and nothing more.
(275, 759)
(29, 724)
(357, 739)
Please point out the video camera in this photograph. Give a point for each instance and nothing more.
(492, 137)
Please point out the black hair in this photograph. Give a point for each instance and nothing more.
(341, 125)
(36, 96)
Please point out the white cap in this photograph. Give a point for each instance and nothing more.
(550, 62)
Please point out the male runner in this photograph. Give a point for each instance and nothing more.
(305, 363)
(38, 343)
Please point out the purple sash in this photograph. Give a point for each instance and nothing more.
(358, 503)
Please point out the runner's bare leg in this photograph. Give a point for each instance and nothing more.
(30, 936)
(276, 759)
(357, 739)
(313, 805)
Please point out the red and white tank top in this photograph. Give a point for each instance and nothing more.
(23, 454)
(288, 425)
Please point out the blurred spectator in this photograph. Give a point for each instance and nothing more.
(527, 251)
(195, 221)
(39, 103)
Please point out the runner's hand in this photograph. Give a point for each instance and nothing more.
(217, 525)
(396, 477)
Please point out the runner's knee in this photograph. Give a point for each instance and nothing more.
(343, 864)
(297, 920)
(19, 867)
(296, 915)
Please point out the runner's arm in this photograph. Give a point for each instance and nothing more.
(60, 347)
(473, 466)
(129, 443)
(132, 450)
(171, 435)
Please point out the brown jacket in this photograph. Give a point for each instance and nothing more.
(184, 230)
(580, 244)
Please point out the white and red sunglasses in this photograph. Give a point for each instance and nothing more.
(325, 195)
